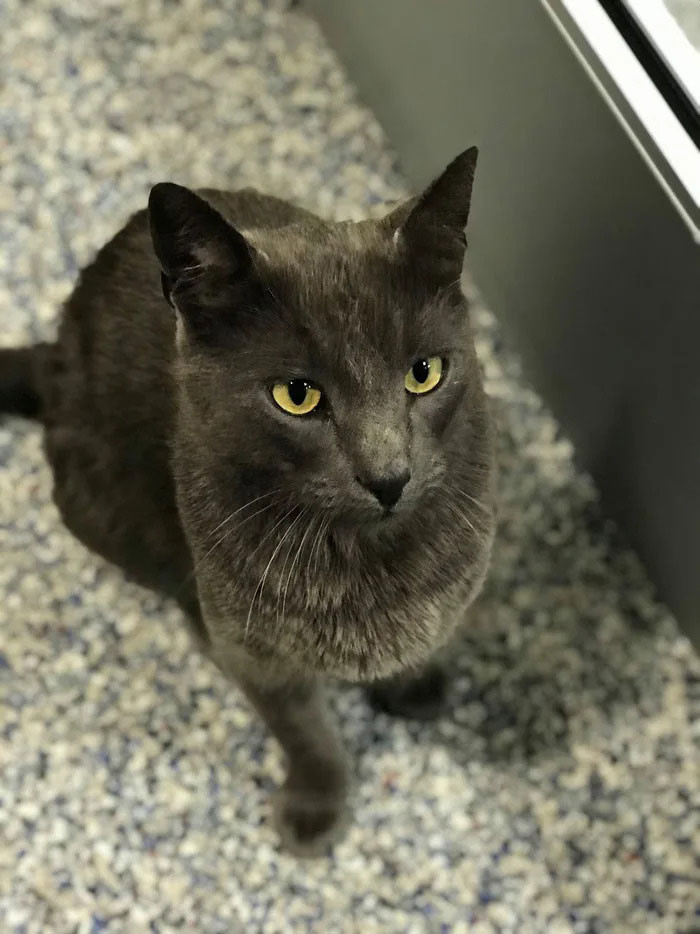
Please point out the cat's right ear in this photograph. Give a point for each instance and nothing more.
(204, 260)
(429, 229)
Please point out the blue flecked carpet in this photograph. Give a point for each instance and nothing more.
(559, 794)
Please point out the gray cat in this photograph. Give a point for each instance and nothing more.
(297, 449)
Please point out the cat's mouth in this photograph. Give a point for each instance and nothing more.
(388, 522)
(373, 520)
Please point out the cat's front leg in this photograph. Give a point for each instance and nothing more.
(311, 806)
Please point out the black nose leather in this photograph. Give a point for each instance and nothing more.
(388, 490)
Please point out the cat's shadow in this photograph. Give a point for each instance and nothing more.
(523, 688)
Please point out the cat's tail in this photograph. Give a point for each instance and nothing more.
(20, 389)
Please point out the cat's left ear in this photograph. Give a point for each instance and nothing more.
(430, 228)
(205, 262)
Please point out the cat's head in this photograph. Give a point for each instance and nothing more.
(329, 363)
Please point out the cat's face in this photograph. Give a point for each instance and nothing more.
(326, 365)
(341, 394)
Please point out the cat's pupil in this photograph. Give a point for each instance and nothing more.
(297, 389)
(421, 371)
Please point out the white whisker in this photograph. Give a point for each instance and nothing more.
(316, 548)
(284, 568)
(199, 562)
(230, 532)
(294, 564)
(481, 527)
(476, 502)
(240, 509)
(259, 589)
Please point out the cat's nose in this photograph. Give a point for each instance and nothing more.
(387, 489)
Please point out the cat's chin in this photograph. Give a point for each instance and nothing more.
(387, 525)
(386, 520)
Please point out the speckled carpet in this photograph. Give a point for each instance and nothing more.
(559, 794)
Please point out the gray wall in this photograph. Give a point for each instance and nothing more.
(573, 242)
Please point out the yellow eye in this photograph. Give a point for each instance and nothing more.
(297, 397)
(424, 375)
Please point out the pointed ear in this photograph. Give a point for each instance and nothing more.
(203, 259)
(430, 228)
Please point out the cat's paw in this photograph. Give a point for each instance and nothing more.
(308, 824)
(418, 697)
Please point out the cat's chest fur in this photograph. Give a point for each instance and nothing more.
(340, 603)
